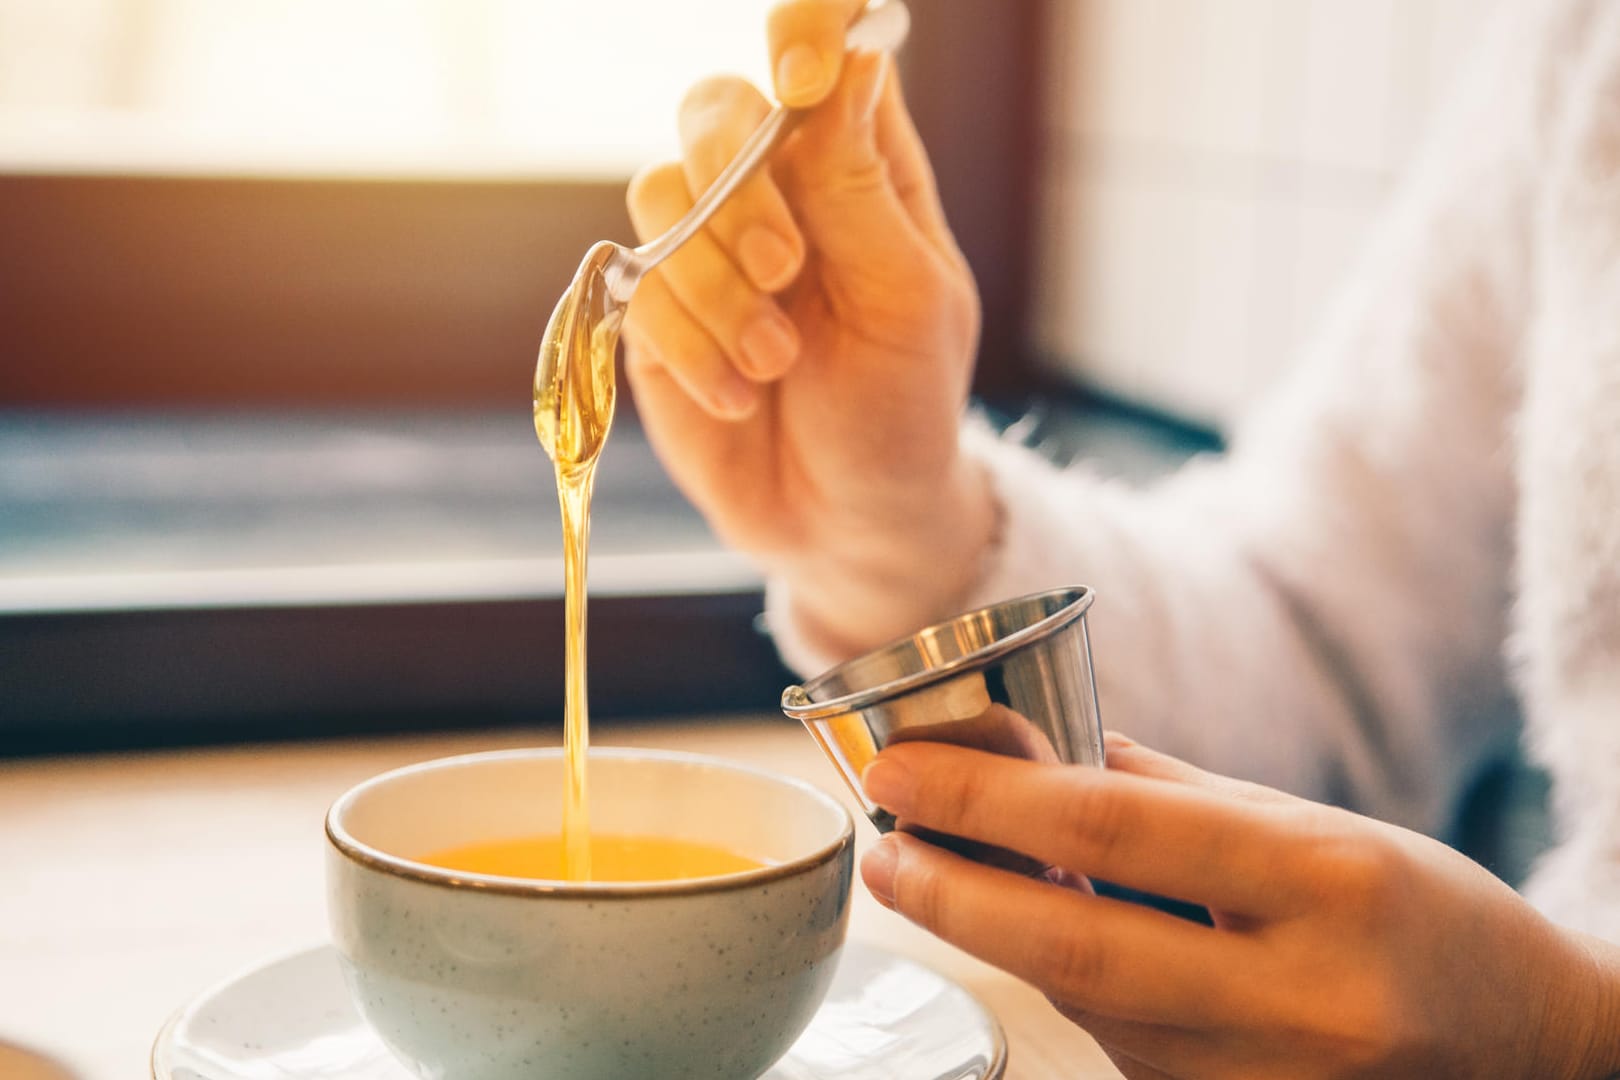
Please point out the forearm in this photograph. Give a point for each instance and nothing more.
(1193, 648)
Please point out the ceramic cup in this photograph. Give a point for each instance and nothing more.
(476, 977)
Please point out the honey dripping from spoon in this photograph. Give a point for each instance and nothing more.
(573, 409)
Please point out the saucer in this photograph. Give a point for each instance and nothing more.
(292, 1019)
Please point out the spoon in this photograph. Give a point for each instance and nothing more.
(586, 321)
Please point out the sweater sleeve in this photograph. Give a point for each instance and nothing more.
(1323, 608)
(1567, 641)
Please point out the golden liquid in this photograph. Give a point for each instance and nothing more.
(613, 858)
(846, 739)
(572, 413)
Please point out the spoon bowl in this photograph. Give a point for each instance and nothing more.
(573, 403)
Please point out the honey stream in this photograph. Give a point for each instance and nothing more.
(572, 413)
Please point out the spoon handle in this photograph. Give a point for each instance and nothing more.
(881, 27)
(766, 138)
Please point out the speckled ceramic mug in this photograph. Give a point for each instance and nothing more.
(475, 977)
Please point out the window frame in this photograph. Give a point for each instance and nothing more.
(135, 291)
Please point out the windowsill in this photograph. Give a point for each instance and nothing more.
(205, 577)
(163, 511)
(209, 577)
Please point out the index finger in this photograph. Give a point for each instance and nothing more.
(806, 40)
(754, 226)
(1101, 956)
(1162, 837)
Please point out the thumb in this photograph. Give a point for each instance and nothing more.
(807, 47)
(841, 184)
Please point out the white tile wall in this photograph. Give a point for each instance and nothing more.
(1211, 169)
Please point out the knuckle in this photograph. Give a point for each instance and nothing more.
(1362, 872)
(716, 108)
(1099, 817)
(857, 174)
(961, 308)
(1075, 966)
(703, 279)
(699, 360)
(950, 797)
(784, 20)
(1359, 1015)
(791, 21)
(760, 307)
(756, 201)
(702, 95)
(640, 354)
(672, 342)
(641, 333)
(920, 893)
(654, 193)
(636, 327)
(1365, 1023)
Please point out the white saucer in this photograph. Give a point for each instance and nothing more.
(291, 1019)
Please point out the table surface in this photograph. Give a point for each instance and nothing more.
(130, 882)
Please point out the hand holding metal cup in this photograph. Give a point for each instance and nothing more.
(1014, 678)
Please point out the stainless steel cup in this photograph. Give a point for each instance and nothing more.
(1014, 678)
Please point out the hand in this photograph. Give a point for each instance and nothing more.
(1341, 947)
(802, 364)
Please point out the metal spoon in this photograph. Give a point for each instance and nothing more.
(607, 278)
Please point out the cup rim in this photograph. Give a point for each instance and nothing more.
(797, 704)
(347, 845)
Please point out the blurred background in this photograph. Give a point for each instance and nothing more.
(273, 274)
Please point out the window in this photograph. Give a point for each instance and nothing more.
(375, 201)
(272, 281)
(359, 87)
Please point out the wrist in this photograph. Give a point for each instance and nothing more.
(1586, 1037)
(1604, 1059)
(861, 587)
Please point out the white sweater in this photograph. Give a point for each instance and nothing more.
(1418, 537)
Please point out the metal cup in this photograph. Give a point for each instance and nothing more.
(1014, 678)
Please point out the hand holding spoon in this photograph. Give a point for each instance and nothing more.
(573, 404)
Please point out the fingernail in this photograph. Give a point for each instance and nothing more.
(887, 783)
(800, 75)
(1114, 740)
(769, 259)
(735, 397)
(770, 344)
(878, 869)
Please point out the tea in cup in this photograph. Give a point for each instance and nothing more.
(702, 948)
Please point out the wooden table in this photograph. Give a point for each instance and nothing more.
(130, 882)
